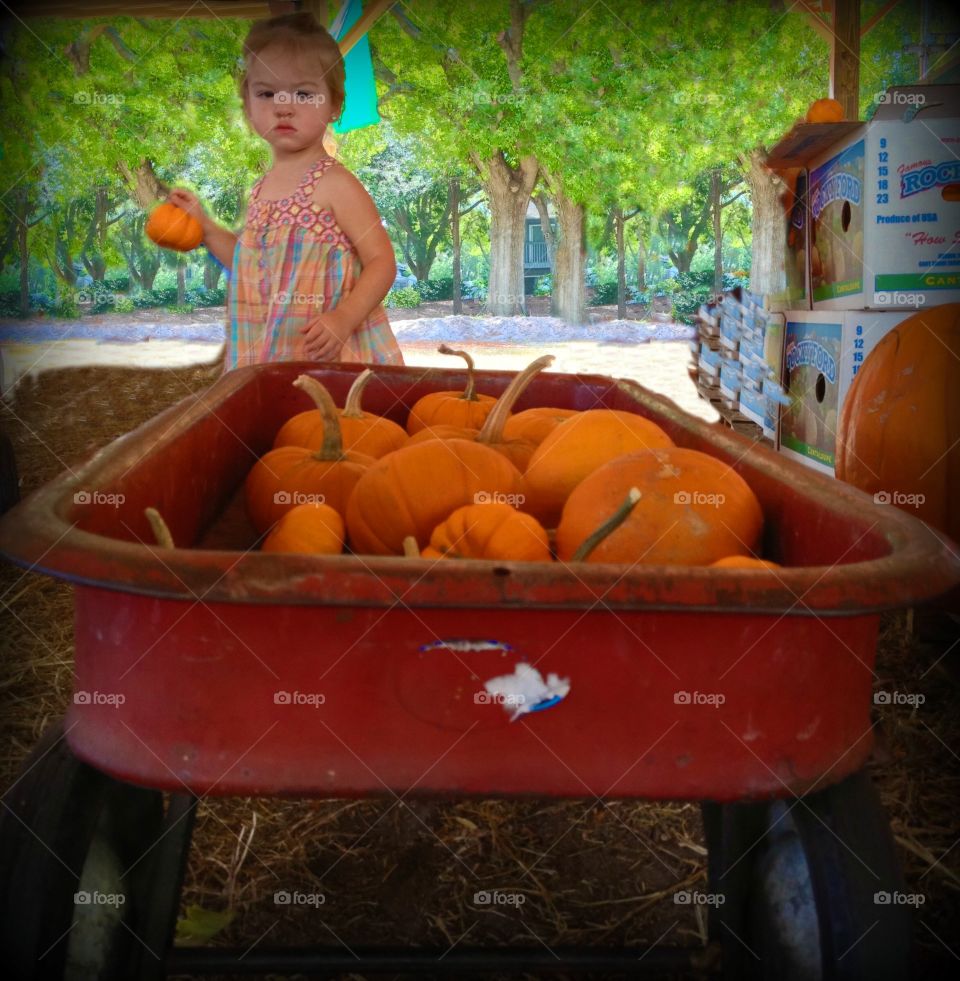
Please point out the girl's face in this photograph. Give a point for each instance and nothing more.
(288, 101)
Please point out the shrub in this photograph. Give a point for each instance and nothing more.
(66, 307)
(123, 304)
(406, 297)
(117, 284)
(181, 308)
(544, 285)
(200, 296)
(603, 294)
(431, 290)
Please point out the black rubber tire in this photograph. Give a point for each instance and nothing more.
(63, 824)
(801, 879)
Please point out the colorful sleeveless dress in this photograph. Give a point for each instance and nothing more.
(293, 261)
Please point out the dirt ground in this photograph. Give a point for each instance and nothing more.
(605, 871)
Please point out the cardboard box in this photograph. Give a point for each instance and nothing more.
(730, 380)
(884, 207)
(794, 290)
(824, 352)
(709, 361)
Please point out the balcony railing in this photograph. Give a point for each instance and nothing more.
(535, 255)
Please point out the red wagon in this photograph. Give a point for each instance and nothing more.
(218, 669)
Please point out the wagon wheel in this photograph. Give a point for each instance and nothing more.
(72, 840)
(800, 879)
(9, 480)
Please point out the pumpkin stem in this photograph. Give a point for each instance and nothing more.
(470, 392)
(411, 550)
(492, 431)
(332, 447)
(351, 408)
(159, 527)
(608, 527)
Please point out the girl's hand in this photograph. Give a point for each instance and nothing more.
(190, 203)
(325, 336)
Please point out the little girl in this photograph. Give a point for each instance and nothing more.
(313, 262)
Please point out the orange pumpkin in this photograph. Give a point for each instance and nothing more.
(693, 509)
(467, 408)
(899, 426)
(173, 228)
(577, 447)
(362, 432)
(517, 449)
(313, 528)
(535, 425)
(743, 562)
(825, 111)
(410, 491)
(292, 475)
(489, 531)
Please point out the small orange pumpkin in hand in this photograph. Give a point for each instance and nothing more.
(172, 228)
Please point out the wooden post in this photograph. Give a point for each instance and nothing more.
(845, 57)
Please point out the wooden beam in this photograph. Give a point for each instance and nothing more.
(877, 17)
(813, 18)
(944, 64)
(375, 10)
(845, 57)
(154, 9)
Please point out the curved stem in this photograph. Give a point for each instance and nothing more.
(609, 526)
(492, 431)
(332, 447)
(351, 407)
(159, 527)
(470, 392)
(411, 550)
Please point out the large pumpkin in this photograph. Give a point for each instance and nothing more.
(577, 447)
(413, 489)
(692, 510)
(899, 427)
(291, 475)
(535, 425)
(362, 432)
(468, 408)
(173, 228)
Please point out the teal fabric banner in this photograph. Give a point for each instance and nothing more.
(360, 107)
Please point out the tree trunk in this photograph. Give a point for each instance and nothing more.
(716, 189)
(211, 273)
(618, 224)
(144, 186)
(569, 301)
(641, 263)
(24, 252)
(181, 281)
(768, 263)
(455, 239)
(683, 258)
(508, 192)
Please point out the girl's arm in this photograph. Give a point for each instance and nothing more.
(357, 215)
(220, 241)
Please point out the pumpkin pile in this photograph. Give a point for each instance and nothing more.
(469, 478)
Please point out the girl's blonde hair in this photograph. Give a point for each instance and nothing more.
(298, 34)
